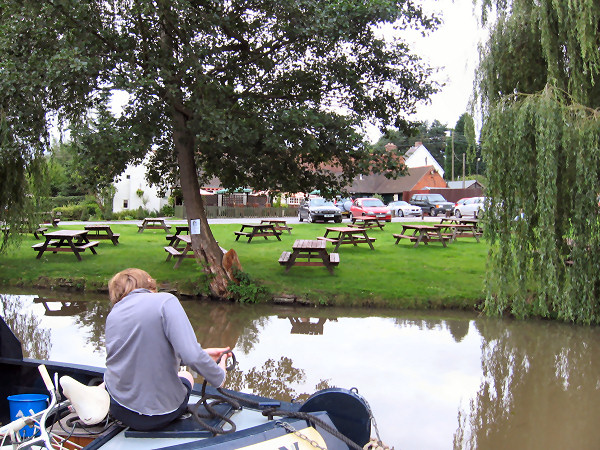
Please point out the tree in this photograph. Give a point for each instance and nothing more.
(461, 142)
(542, 150)
(432, 135)
(260, 94)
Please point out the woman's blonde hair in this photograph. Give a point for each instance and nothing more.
(126, 281)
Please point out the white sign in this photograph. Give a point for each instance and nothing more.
(195, 226)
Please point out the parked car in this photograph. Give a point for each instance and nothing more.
(370, 207)
(473, 206)
(318, 208)
(401, 208)
(344, 204)
(433, 204)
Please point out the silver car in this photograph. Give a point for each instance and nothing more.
(319, 209)
(473, 206)
(401, 208)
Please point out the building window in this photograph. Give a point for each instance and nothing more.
(126, 202)
(128, 177)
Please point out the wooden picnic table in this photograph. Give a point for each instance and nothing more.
(153, 223)
(172, 238)
(257, 230)
(421, 233)
(309, 253)
(180, 252)
(103, 231)
(278, 224)
(75, 241)
(367, 222)
(454, 230)
(347, 235)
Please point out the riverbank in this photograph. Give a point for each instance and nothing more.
(396, 276)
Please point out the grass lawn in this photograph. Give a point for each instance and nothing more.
(393, 275)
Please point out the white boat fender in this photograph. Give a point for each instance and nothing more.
(91, 403)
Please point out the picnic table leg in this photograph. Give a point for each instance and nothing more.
(325, 257)
(368, 240)
(475, 234)
(337, 244)
(86, 241)
(74, 249)
(442, 238)
(42, 249)
(292, 260)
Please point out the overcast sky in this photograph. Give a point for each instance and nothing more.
(453, 49)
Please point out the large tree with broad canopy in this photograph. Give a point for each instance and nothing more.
(258, 93)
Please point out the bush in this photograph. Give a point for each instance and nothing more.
(167, 211)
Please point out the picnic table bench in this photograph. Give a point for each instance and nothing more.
(421, 233)
(309, 253)
(278, 224)
(172, 238)
(454, 230)
(153, 223)
(367, 222)
(101, 231)
(347, 235)
(40, 230)
(257, 230)
(180, 252)
(182, 249)
(75, 241)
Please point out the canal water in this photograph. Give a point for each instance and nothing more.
(434, 380)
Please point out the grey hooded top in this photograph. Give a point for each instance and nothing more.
(148, 336)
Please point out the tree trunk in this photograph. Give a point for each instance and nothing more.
(206, 249)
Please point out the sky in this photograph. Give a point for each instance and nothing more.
(453, 49)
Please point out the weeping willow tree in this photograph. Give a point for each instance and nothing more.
(538, 85)
(21, 183)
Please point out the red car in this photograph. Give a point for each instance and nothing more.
(370, 207)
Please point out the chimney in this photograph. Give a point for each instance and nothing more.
(418, 144)
(390, 147)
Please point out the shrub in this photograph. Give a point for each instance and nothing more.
(167, 211)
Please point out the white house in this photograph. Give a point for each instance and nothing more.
(419, 156)
(133, 191)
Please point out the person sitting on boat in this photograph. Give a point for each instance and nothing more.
(148, 337)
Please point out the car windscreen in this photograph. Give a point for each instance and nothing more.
(436, 198)
(372, 202)
(321, 202)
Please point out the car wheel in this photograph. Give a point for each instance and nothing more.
(300, 219)
(432, 212)
(457, 213)
(338, 219)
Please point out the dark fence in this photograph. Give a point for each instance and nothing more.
(215, 212)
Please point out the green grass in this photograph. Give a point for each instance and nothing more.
(393, 275)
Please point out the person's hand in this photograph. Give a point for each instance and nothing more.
(215, 354)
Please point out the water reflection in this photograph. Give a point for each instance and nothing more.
(436, 381)
(540, 377)
(35, 340)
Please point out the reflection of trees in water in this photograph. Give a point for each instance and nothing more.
(540, 388)
(273, 380)
(458, 328)
(35, 341)
(93, 319)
